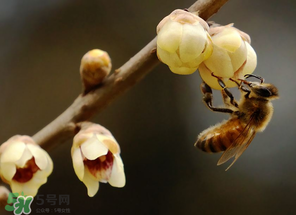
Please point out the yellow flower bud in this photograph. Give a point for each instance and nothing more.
(232, 56)
(94, 68)
(24, 165)
(183, 42)
(96, 158)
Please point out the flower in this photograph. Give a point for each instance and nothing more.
(95, 66)
(96, 158)
(183, 42)
(24, 165)
(232, 56)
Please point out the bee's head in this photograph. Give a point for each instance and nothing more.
(264, 90)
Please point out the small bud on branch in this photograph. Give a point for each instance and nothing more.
(94, 68)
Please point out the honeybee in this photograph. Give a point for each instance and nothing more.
(247, 117)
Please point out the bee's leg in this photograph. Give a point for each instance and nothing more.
(226, 93)
(254, 76)
(226, 99)
(208, 99)
(241, 87)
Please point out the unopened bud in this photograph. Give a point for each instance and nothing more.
(183, 42)
(232, 56)
(94, 68)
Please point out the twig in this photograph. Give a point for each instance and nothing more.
(86, 106)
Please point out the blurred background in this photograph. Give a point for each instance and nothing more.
(158, 120)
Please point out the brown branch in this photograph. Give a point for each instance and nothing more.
(86, 106)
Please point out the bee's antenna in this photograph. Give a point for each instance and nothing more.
(254, 76)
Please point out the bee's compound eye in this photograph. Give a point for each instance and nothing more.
(264, 92)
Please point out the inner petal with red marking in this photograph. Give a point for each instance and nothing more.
(101, 167)
(26, 173)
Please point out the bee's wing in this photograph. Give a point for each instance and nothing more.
(240, 144)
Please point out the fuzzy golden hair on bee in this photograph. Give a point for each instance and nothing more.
(247, 117)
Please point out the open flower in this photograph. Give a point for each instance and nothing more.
(232, 56)
(24, 165)
(183, 42)
(96, 158)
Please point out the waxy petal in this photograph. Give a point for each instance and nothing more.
(193, 42)
(251, 60)
(41, 156)
(220, 63)
(31, 187)
(81, 138)
(117, 178)
(182, 70)
(228, 39)
(27, 155)
(169, 36)
(110, 143)
(17, 187)
(8, 170)
(209, 48)
(91, 184)
(170, 59)
(239, 56)
(13, 152)
(78, 163)
(93, 148)
(207, 77)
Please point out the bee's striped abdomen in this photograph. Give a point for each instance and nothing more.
(219, 137)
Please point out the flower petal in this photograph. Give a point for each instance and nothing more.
(27, 155)
(207, 77)
(49, 167)
(16, 187)
(80, 138)
(193, 42)
(93, 148)
(40, 155)
(91, 184)
(183, 70)
(170, 59)
(117, 178)
(220, 63)
(209, 49)
(13, 152)
(228, 39)
(239, 56)
(8, 170)
(111, 144)
(169, 36)
(78, 163)
(31, 187)
(251, 60)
